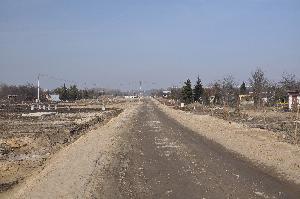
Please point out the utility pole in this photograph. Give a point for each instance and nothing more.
(38, 99)
(140, 88)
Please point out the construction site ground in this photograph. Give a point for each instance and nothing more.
(153, 151)
(28, 138)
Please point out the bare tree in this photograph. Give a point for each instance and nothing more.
(272, 91)
(288, 81)
(26, 92)
(229, 90)
(175, 93)
(216, 90)
(259, 83)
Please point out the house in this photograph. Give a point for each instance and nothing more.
(166, 94)
(52, 98)
(246, 99)
(130, 96)
(294, 99)
(12, 97)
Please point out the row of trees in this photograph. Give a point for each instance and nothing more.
(189, 95)
(29, 92)
(227, 91)
(72, 93)
(26, 92)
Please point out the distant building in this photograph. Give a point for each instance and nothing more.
(131, 96)
(12, 97)
(294, 99)
(246, 99)
(166, 94)
(54, 98)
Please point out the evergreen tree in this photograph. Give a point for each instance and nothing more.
(243, 89)
(187, 92)
(85, 94)
(198, 90)
(63, 92)
(73, 93)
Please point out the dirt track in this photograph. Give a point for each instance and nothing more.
(145, 154)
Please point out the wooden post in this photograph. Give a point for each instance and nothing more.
(264, 114)
(225, 110)
(237, 108)
(296, 127)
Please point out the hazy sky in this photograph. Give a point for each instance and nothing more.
(117, 43)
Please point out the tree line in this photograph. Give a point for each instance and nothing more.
(70, 94)
(29, 92)
(26, 92)
(226, 91)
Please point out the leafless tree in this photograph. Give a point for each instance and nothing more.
(288, 81)
(280, 89)
(216, 90)
(259, 83)
(26, 92)
(229, 90)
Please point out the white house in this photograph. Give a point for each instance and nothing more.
(54, 98)
(130, 96)
(166, 94)
(294, 99)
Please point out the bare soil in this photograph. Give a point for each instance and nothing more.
(26, 142)
(146, 152)
(76, 171)
(258, 145)
(281, 122)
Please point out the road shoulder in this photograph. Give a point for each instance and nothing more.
(259, 146)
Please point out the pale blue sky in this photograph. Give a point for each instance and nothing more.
(119, 42)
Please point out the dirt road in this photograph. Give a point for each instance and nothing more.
(145, 154)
